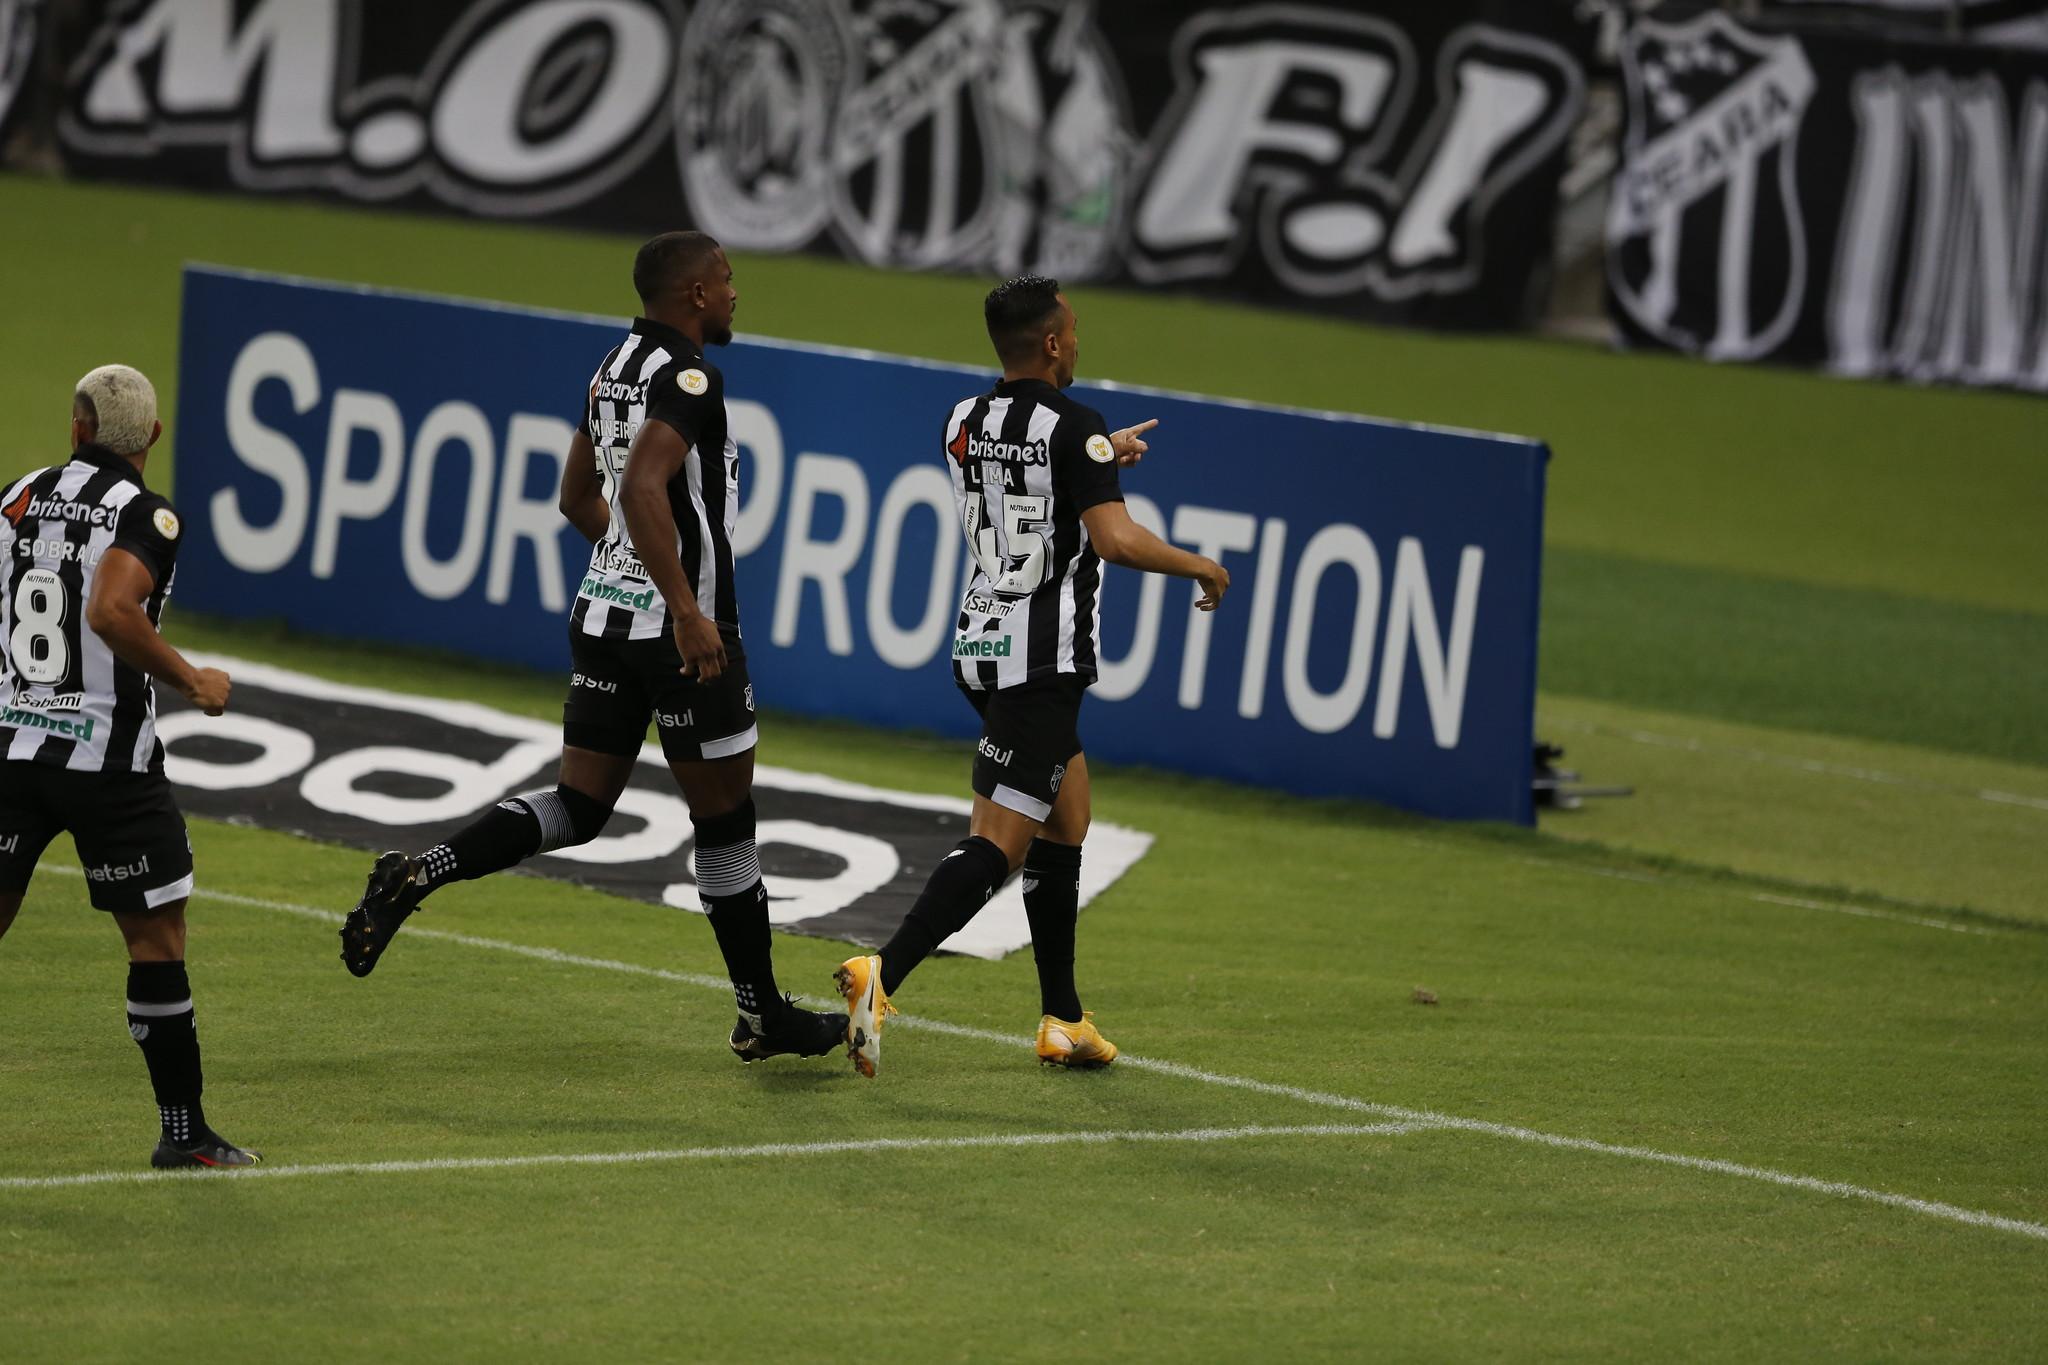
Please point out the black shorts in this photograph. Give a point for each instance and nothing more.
(126, 827)
(1029, 734)
(620, 685)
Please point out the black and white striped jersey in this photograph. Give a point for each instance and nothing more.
(659, 374)
(1027, 461)
(65, 700)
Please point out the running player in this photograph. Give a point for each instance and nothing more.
(652, 480)
(1035, 474)
(87, 554)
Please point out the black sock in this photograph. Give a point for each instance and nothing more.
(1052, 902)
(729, 884)
(511, 832)
(160, 1020)
(960, 885)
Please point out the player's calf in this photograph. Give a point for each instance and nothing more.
(959, 886)
(517, 828)
(1052, 905)
(160, 1020)
(728, 867)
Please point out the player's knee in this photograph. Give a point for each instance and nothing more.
(716, 787)
(587, 814)
(156, 935)
(725, 829)
(567, 817)
(1067, 827)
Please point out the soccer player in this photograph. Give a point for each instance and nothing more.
(652, 480)
(1035, 474)
(87, 554)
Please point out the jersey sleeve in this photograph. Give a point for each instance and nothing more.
(687, 398)
(14, 505)
(1084, 462)
(149, 528)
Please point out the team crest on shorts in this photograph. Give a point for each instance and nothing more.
(1059, 775)
(166, 522)
(750, 696)
(693, 382)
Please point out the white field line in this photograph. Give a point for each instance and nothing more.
(733, 1153)
(1863, 912)
(1394, 1116)
(1622, 874)
(1427, 1119)
(1688, 744)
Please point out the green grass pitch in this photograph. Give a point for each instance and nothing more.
(1747, 1066)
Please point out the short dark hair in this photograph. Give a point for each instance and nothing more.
(1019, 312)
(670, 261)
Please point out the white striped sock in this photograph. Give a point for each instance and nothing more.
(728, 871)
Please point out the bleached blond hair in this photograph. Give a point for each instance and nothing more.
(122, 403)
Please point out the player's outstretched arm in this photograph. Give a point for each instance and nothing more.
(1120, 540)
(115, 614)
(657, 457)
(582, 500)
(1130, 444)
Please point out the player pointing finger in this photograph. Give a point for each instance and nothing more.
(1130, 444)
(1035, 476)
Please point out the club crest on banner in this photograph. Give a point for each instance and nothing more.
(754, 115)
(963, 133)
(1707, 201)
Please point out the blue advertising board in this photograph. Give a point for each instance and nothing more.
(383, 467)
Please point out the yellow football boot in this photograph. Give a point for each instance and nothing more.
(1061, 1043)
(860, 983)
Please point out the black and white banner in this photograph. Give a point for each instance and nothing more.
(1873, 205)
(376, 770)
(20, 25)
(2014, 22)
(1399, 164)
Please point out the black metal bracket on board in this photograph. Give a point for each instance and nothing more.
(1559, 788)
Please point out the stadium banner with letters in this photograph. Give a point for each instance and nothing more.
(373, 770)
(385, 467)
(20, 24)
(1398, 161)
(1877, 205)
(2013, 22)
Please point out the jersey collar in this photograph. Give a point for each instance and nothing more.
(1010, 388)
(101, 457)
(668, 336)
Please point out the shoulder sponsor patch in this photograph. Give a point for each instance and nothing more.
(1099, 449)
(166, 522)
(693, 382)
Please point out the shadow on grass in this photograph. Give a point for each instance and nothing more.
(535, 692)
